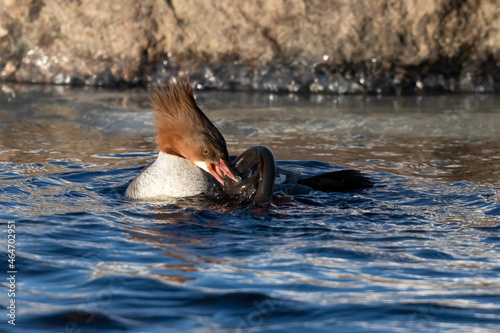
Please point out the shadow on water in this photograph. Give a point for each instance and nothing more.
(418, 252)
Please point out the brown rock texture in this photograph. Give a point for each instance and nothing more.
(338, 46)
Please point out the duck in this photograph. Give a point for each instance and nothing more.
(192, 153)
(193, 159)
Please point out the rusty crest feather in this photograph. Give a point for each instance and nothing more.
(174, 104)
(178, 118)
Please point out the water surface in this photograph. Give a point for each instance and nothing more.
(419, 252)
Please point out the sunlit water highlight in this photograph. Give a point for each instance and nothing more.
(419, 252)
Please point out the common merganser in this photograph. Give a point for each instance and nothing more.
(190, 148)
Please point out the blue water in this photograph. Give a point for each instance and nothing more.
(420, 252)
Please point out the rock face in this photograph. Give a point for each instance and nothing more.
(337, 46)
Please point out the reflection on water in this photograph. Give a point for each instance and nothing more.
(418, 252)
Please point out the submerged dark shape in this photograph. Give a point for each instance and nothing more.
(256, 167)
(337, 181)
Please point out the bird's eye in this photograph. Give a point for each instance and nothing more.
(206, 152)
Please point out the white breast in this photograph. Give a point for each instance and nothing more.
(170, 176)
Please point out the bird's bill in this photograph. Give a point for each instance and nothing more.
(218, 171)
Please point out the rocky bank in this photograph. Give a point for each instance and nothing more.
(336, 46)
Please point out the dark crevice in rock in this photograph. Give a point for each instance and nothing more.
(13, 45)
(49, 36)
(34, 9)
(179, 21)
(266, 32)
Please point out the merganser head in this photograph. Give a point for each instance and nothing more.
(182, 129)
